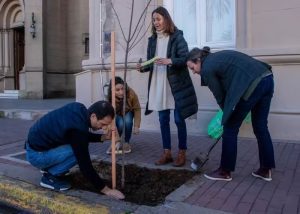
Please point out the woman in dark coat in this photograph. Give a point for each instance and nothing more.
(170, 85)
(240, 84)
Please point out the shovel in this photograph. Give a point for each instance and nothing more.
(199, 161)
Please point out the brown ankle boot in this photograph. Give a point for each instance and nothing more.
(180, 160)
(165, 158)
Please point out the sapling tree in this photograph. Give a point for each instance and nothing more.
(136, 32)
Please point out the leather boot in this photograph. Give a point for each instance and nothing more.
(180, 160)
(165, 158)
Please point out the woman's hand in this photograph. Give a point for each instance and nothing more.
(113, 193)
(139, 67)
(163, 61)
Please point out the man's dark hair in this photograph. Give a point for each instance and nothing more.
(101, 109)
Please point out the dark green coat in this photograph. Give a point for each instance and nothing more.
(178, 75)
(228, 74)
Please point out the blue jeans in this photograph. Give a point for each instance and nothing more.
(164, 119)
(56, 161)
(128, 125)
(259, 104)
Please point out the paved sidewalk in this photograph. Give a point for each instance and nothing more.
(244, 194)
(29, 109)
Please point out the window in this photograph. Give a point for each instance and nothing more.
(205, 22)
(87, 46)
(86, 43)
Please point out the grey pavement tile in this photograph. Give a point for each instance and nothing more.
(13, 130)
(260, 205)
(243, 208)
(272, 210)
(216, 204)
(231, 203)
(292, 204)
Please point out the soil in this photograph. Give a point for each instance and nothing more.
(143, 186)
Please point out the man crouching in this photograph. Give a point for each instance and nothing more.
(60, 139)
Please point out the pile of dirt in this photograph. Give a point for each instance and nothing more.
(142, 185)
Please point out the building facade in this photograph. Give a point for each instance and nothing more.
(265, 30)
(42, 45)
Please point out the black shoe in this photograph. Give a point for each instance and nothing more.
(219, 175)
(264, 174)
(55, 183)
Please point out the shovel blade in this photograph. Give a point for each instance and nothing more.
(199, 162)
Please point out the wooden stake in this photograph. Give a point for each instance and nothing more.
(113, 95)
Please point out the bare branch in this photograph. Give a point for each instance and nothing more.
(121, 45)
(141, 16)
(140, 29)
(134, 44)
(130, 22)
(131, 41)
(116, 14)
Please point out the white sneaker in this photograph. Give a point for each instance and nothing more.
(264, 174)
(127, 148)
(118, 150)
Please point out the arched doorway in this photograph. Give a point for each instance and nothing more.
(19, 54)
(12, 57)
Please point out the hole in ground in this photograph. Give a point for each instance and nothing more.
(143, 186)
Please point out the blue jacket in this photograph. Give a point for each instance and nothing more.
(67, 125)
(228, 74)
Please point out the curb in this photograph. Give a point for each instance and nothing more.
(32, 199)
(29, 197)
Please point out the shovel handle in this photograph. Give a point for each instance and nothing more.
(214, 144)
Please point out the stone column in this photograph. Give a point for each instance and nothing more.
(1, 62)
(95, 36)
(91, 77)
(5, 55)
(1, 52)
(33, 76)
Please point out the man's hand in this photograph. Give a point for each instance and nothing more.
(107, 133)
(136, 130)
(113, 193)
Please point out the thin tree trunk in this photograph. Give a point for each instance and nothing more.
(113, 137)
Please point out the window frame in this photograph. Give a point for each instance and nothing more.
(201, 21)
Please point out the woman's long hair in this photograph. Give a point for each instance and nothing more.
(169, 24)
(197, 54)
(119, 105)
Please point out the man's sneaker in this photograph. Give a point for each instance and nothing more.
(52, 182)
(219, 175)
(264, 174)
